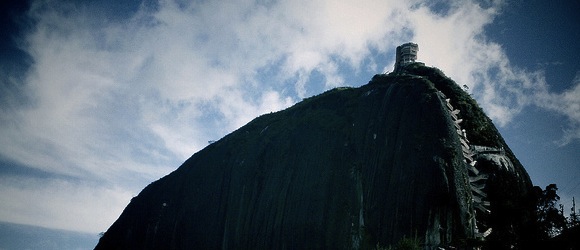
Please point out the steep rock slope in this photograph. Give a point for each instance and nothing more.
(347, 169)
(508, 189)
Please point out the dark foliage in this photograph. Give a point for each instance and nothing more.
(552, 230)
(551, 220)
(574, 218)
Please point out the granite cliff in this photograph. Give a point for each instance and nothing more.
(409, 154)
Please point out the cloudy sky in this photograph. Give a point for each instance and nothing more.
(100, 98)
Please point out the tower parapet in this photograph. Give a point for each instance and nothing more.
(406, 54)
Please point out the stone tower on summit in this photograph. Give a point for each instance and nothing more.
(351, 168)
(406, 54)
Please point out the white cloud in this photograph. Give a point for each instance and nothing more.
(566, 104)
(60, 204)
(125, 102)
(455, 42)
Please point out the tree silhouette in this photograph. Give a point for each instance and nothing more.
(574, 219)
(551, 220)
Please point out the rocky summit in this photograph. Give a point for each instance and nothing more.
(408, 156)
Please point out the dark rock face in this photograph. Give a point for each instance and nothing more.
(347, 169)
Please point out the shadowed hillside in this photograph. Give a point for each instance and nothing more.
(347, 169)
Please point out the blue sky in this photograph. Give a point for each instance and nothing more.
(98, 99)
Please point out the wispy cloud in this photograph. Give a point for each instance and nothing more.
(567, 104)
(119, 103)
(455, 42)
(61, 204)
